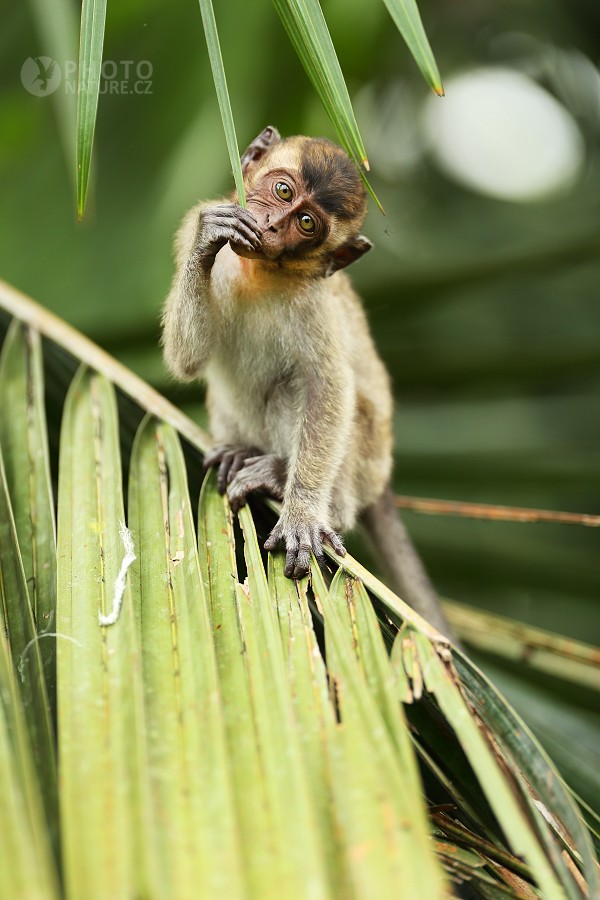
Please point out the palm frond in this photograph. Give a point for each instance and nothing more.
(91, 42)
(232, 729)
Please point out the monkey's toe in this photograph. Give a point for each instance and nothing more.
(237, 462)
(215, 455)
(252, 474)
(230, 460)
(335, 542)
(302, 541)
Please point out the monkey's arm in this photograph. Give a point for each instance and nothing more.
(323, 427)
(188, 319)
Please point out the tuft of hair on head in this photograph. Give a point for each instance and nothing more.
(333, 178)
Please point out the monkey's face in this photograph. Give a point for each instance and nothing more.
(291, 221)
(309, 201)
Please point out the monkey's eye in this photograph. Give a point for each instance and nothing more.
(307, 223)
(283, 191)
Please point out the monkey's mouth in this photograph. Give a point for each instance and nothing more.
(266, 253)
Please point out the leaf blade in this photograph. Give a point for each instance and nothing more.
(189, 769)
(374, 760)
(16, 618)
(499, 791)
(407, 19)
(91, 42)
(307, 30)
(521, 746)
(26, 863)
(220, 80)
(216, 543)
(24, 442)
(97, 667)
(286, 780)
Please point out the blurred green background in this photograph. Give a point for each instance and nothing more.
(482, 289)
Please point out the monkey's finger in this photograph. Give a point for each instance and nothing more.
(244, 215)
(290, 563)
(242, 243)
(231, 226)
(217, 229)
(317, 547)
(335, 541)
(231, 234)
(227, 211)
(223, 470)
(291, 551)
(249, 234)
(215, 455)
(302, 540)
(302, 561)
(237, 499)
(225, 215)
(274, 538)
(236, 464)
(212, 459)
(221, 232)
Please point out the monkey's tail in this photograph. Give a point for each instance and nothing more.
(402, 563)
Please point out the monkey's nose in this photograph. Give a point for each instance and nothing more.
(274, 223)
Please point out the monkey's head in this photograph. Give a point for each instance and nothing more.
(309, 200)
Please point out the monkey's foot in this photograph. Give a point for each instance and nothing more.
(230, 460)
(299, 541)
(265, 474)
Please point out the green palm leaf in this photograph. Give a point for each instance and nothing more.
(305, 24)
(27, 866)
(23, 437)
(218, 72)
(406, 17)
(229, 728)
(191, 777)
(91, 41)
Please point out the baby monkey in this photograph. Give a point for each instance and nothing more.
(299, 402)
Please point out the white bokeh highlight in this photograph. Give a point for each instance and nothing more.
(501, 134)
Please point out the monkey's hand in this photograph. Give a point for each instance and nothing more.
(265, 474)
(300, 539)
(219, 224)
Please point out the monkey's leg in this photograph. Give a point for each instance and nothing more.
(230, 459)
(265, 474)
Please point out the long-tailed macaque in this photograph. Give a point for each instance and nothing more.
(299, 402)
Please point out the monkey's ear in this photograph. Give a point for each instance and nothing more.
(348, 253)
(259, 146)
